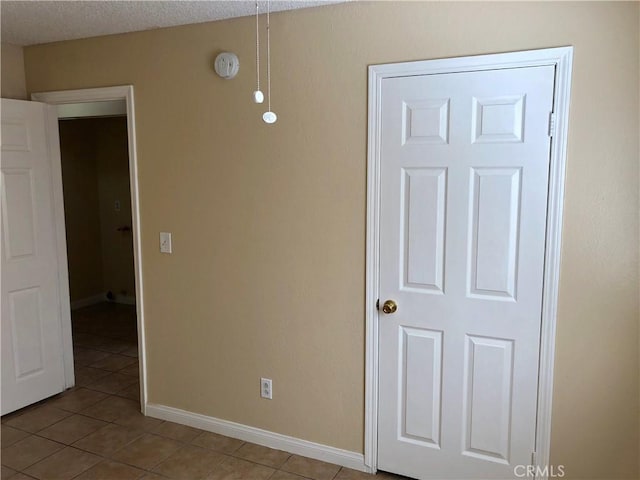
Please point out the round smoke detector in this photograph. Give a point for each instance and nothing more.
(227, 65)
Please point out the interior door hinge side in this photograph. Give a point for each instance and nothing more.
(552, 124)
(533, 458)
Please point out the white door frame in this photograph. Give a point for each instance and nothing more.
(561, 58)
(124, 92)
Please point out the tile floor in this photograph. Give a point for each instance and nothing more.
(96, 431)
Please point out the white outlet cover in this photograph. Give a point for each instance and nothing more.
(165, 242)
(266, 388)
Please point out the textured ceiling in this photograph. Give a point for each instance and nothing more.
(34, 22)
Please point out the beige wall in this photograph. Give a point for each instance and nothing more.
(12, 79)
(267, 274)
(95, 169)
(81, 207)
(112, 158)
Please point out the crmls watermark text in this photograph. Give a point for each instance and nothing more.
(533, 471)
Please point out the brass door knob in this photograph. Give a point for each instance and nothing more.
(389, 306)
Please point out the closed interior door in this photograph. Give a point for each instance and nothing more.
(32, 351)
(464, 181)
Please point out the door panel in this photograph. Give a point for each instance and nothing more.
(464, 178)
(487, 397)
(26, 326)
(495, 217)
(421, 360)
(32, 352)
(19, 215)
(423, 193)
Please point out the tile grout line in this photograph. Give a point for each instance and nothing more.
(183, 445)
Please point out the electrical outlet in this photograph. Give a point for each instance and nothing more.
(165, 242)
(266, 390)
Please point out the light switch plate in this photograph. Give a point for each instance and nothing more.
(165, 242)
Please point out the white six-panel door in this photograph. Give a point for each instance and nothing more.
(32, 350)
(463, 199)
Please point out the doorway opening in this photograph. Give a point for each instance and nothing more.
(104, 347)
(97, 205)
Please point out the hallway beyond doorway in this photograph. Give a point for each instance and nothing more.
(105, 349)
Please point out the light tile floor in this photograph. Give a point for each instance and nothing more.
(96, 431)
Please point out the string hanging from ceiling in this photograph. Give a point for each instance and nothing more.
(258, 97)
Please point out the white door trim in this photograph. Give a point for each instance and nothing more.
(561, 58)
(124, 92)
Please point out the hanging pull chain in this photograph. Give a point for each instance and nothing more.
(258, 96)
(269, 116)
(269, 55)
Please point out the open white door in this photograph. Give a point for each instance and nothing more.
(32, 307)
(463, 213)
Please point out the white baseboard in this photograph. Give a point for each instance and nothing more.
(85, 302)
(265, 438)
